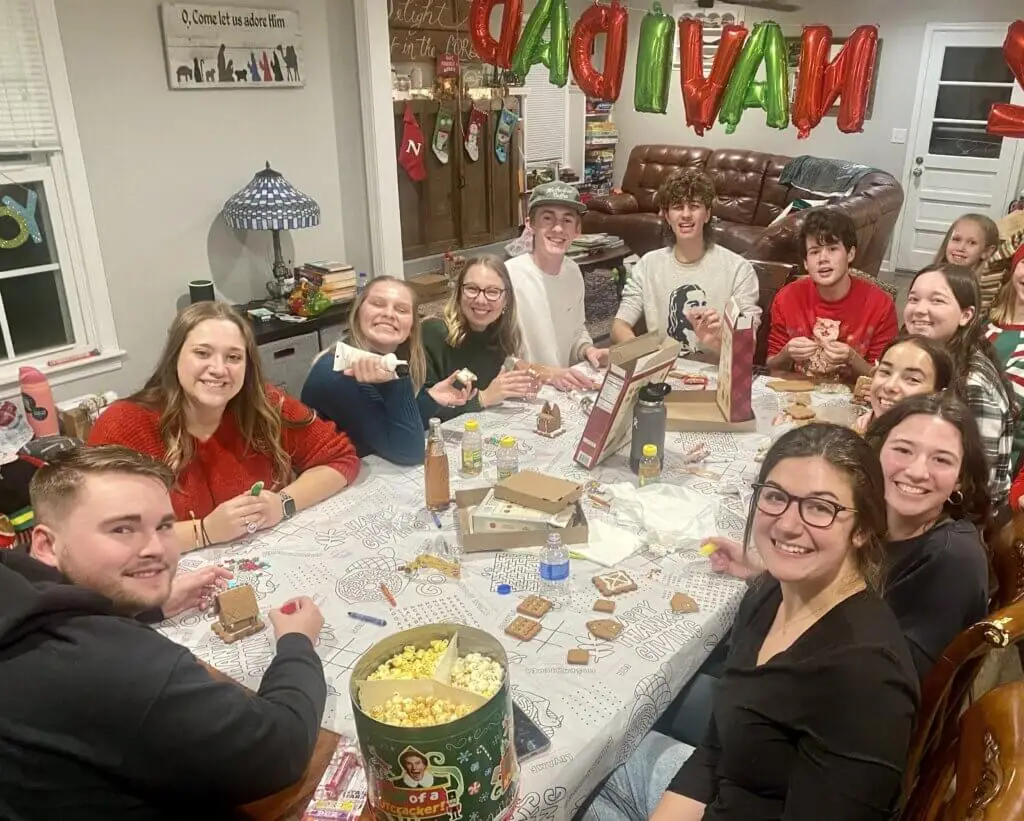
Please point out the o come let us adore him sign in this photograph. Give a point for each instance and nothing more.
(211, 47)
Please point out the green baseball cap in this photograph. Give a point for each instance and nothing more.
(557, 193)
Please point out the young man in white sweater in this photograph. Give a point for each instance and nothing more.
(549, 289)
(682, 290)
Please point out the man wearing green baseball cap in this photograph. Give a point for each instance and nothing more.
(549, 288)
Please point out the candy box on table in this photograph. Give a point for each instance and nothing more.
(460, 769)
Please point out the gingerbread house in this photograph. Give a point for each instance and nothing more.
(549, 420)
(238, 613)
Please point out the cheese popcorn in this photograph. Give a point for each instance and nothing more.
(421, 711)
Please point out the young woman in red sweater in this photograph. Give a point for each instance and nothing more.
(208, 414)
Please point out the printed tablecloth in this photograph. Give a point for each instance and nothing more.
(340, 551)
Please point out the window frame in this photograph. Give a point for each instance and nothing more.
(75, 236)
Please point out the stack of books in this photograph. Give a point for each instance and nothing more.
(336, 280)
(588, 244)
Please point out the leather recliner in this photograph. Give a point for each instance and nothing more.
(749, 196)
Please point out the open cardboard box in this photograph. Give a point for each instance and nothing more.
(700, 411)
(539, 491)
(576, 533)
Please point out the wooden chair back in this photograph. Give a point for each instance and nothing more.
(944, 692)
(1006, 555)
(985, 762)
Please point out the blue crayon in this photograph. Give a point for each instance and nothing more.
(437, 520)
(368, 619)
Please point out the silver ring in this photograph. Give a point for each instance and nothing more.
(251, 526)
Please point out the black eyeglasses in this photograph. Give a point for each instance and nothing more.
(490, 294)
(815, 511)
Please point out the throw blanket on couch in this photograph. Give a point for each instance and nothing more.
(820, 175)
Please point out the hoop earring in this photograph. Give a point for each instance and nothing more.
(959, 500)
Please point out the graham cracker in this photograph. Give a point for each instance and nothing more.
(523, 628)
(534, 606)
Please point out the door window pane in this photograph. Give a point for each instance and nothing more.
(955, 140)
(36, 312)
(969, 102)
(976, 63)
(25, 235)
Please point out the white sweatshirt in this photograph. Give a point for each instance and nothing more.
(551, 313)
(660, 288)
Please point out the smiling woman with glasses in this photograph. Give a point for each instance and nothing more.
(479, 332)
(813, 714)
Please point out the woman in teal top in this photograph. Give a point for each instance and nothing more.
(1006, 333)
(479, 332)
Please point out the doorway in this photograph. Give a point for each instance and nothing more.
(953, 165)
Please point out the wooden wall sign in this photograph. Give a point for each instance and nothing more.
(423, 29)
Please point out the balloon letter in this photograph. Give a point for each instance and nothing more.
(654, 62)
(555, 53)
(848, 77)
(702, 98)
(611, 21)
(1005, 119)
(766, 44)
(495, 52)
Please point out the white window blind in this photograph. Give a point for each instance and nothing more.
(714, 20)
(27, 120)
(546, 105)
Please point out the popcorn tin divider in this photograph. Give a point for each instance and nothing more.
(445, 771)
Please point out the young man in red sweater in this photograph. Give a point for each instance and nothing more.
(830, 322)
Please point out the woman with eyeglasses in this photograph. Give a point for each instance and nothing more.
(377, 408)
(479, 332)
(813, 715)
(936, 505)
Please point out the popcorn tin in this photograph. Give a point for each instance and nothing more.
(463, 768)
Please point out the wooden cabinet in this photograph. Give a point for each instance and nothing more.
(461, 203)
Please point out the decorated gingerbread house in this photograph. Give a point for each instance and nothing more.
(238, 614)
(549, 420)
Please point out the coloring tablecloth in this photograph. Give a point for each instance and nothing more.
(340, 551)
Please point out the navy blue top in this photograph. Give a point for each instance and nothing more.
(382, 419)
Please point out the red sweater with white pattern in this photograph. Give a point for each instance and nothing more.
(223, 467)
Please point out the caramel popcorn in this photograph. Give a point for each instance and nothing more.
(411, 663)
(478, 674)
(420, 711)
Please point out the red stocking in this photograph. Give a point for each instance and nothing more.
(474, 132)
(410, 150)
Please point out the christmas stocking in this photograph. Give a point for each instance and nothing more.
(477, 121)
(442, 134)
(506, 125)
(410, 150)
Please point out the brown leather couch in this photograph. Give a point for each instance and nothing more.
(749, 197)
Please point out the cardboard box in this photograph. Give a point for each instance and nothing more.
(494, 515)
(700, 411)
(576, 533)
(633, 364)
(429, 286)
(539, 491)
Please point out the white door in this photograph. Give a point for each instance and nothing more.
(953, 165)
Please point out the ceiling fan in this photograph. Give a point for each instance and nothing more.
(767, 5)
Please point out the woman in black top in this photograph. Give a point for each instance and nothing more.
(936, 494)
(813, 715)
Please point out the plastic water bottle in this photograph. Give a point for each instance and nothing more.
(554, 568)
(472, 449)
(649, 470)
(508, 457)
(361, 283)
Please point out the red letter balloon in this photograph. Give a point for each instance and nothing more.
(611, 21)
(496, 52)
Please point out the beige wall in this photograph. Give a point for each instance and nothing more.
(162, 163)
(901, 28)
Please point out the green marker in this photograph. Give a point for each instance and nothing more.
(257, 489)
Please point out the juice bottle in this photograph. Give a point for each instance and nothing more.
(435, 469)
(649, 470)
(472, 449)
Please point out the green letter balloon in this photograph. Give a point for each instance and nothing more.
(654, 62)
(768, 45)
(554, 54)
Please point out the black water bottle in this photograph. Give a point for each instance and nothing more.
(649, 419)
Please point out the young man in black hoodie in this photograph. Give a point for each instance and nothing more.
(101, 717)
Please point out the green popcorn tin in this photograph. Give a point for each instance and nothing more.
(464, 770)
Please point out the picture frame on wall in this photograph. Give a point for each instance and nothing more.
(217, 47)
(835, 46)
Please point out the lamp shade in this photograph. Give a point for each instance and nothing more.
(270, 202)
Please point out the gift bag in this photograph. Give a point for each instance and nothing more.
(736, 364)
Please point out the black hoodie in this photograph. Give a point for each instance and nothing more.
(102, 717)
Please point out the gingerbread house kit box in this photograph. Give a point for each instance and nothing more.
(728, 407)
(633, 364)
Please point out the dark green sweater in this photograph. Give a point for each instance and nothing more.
(479, 352)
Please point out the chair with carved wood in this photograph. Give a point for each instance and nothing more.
(985, 762)
(943, 695)
(1006, 554)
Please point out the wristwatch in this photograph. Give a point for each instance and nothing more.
(288, 505)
